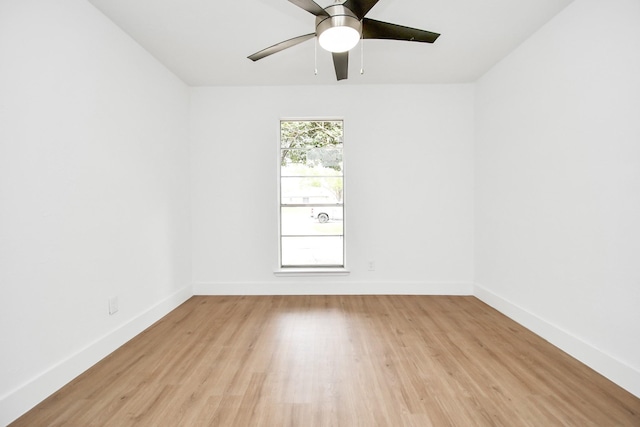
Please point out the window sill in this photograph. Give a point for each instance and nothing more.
(297, 272)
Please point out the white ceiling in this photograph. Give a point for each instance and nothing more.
(206, 42)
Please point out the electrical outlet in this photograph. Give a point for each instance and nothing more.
(113, 305)
(372, 266)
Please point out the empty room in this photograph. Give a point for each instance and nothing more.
(319, 213)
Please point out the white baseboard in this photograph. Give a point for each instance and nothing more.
(617, 371)
(19, 401)
(310, 287)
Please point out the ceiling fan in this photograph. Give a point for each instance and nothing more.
(340, 26)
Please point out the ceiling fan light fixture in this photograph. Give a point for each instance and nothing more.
(339, 32)
(340, 26)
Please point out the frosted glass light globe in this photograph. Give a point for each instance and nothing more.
(339, 39)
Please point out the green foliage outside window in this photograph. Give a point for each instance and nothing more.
(312, 143)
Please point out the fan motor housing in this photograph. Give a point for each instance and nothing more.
(339, 16)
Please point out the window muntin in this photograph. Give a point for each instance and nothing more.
(311, 181)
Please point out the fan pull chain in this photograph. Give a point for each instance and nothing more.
(362, 56)
(315, 56)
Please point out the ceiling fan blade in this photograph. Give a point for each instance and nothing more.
(360, 7)
(311, 7)
(341, 64)
(281, 46)
(372, 29)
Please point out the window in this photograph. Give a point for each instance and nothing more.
(311, 194)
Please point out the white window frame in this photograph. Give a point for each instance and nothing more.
(310, 270)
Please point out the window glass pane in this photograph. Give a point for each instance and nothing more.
(311, 193)
(311, 221)
(317, 161)
(312, 251)
(311, 190)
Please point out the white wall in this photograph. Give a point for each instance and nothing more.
(93, 194)
(558, 185)
(408, 154)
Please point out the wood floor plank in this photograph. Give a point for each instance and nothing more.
(337, 361)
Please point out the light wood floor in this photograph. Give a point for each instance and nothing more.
(337, 361)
